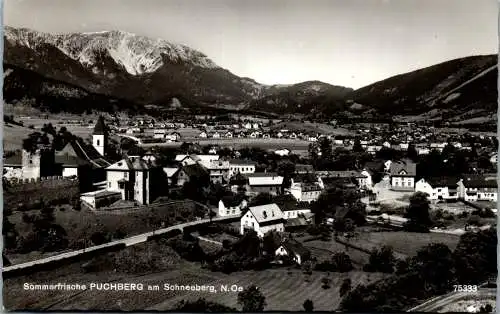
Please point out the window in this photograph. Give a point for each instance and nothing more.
(227, 212)
(109, 184)
(98, 142)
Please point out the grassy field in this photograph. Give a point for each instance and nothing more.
(323, 250)
(406, 243)
(80, 225)
(243, 142)
(13, 136)
(156, 264)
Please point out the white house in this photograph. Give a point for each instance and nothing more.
(232, 207)
(494, 159)
(442, 188)
(262, 219)
(159, 133)
(203, 134)
(270, 183)
(282, 152)
(131, 177)
(478, 188)
(305, 192)
(402, 175)
(247, 125)
(293, 249)
(173, 137)
(241, 166)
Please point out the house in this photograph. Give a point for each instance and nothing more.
(232, 206)
(423, 151)
(478, 188)
(228, 134)
(292, 213)
(327, 182)
(241, 166)
(402, 176)
(282, 152)
(254, 134)
(159, 134)
(218, 171)
(262, 219)
(373, 149)
(216, 135)
(193, 173)
(173, 137)
(292, 136)
(362, 179)
(270, 183)
(442, 188)
(136, 179)
(171, 173)
(294, 250)
(185, 160)
(338, 142)
(30, 164)
(203, 134)
(305, 192)
(247, 125)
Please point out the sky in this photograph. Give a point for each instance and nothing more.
(351, 43)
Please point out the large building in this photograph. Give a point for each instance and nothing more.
(402, 175)
(270, 183)
(478, 188)
(136, 179)
(241, 166)
(442, 188)
(262, 219)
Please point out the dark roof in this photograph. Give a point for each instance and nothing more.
(14, 160)
(305, 178)
(296, 222)
(194, 170)
(342, 174)
(333, 181)
(70, 161)
(78, 148)
(374, 165)
(450, 182)
(478, 181)
(403, 168)
(233, 200)
(295, 247)
(242, 162)
(100, 127)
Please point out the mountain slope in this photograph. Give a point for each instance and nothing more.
(454, 90)
(131, 67)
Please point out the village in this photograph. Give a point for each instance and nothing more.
(345, 196)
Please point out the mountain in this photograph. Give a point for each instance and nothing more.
(125, 68)
(461, 90)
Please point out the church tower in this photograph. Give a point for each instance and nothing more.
(100, 136)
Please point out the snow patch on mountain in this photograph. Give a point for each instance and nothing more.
(137, 54)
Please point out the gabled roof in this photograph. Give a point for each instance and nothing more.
(81, 150)
(130, 163)
(233, 200)
(266, 213)
(436, 182)
(170, 171)
(194, 170)
(100, 127)
(478, 181)
(70, 161)
(342, 174)
(296, 247)
(403, 168)
(264, 179)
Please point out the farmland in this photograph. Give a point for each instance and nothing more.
(284, 289)
(406, 243)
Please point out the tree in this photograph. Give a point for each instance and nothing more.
(418, 213)
(252, 300)
(345, 287)
(357, 147)
(286, 170)
(412, 153)
(325, 147)
(308, 305)
(382, 260)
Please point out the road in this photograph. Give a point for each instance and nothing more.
(133, 240)
(439, 302)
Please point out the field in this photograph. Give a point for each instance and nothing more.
(323, 250)
(80, 225)
(13, 136)
(284, 289)
(406, 243)
(244, 142)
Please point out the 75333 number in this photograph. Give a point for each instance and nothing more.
(465, 288)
